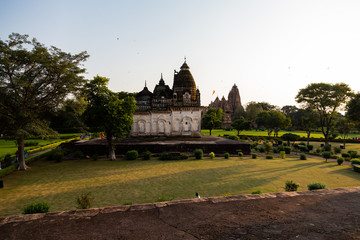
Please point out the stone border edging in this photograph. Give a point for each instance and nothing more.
(88, 213)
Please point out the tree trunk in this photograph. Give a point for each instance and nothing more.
(308, 137)
(210, 132)
(111, 147)
(21, 158)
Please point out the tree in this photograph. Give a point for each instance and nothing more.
(252, 110)
(106, 112)
(212, 119)
(309, 122)
(344, 126)
(240, 124)
(273, 121)
(326, 99)
(290, 137)
(353, 109)
(34, 79)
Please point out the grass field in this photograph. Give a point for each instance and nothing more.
(221, 132)
(118, 182)
(9, 146)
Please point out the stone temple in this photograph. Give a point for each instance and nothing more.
(169, 111)
(228, 106)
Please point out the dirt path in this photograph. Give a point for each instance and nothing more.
(322, 214)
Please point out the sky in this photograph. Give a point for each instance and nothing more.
(269, 48)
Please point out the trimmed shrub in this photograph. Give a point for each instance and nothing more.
(256, 192)
(83, 201)
(282, 154)
(232, 137)
(287, 150)
(254, 156)
(227, 155)
(327, 148)
(340, 160)
(345, 155)
(240, 154)
(165, 156)
(310, 147)
(318, 150)
(212, 155)
(95, 157)
(147, 155)
(131, 155)
(39, 207)
(303, 156)
(326, 155)
(261, 149)
(184, 156)
(316, 185)
(275, 150)
(337, 150)
(353, 154)
(285, 144)
(290, 186)
(267, 147)
(79, 154)
(303, 148)
(355, 161)
(269, 156)
(356, 168)
(254, 145)
(198, 153)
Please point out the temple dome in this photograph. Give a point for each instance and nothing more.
(145, 94)
(162, 90)
(184, 81)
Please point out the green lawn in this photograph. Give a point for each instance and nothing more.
(116, 182)
(217, 132)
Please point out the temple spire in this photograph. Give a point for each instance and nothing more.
(185, 59)
(145, 83)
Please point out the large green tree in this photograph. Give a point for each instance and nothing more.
(273, 121)
(353, 110)
(34, 79)
(327, 99)
(240, 124)
(309, 122)
(212, 119)
(107, 112)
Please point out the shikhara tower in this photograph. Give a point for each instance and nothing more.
(169, 112)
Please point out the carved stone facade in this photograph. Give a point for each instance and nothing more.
(169, 112)
(228, 106)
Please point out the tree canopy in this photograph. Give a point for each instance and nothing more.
(106, 112)
(212, 119)
(273, 121)
(240, 124)
(326, 99)
(34, 79)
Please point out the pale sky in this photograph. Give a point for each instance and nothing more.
(269, 49)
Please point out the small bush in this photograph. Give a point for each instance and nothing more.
(303, 156)
(261, 149)
(345, 155)
(226, 155)
(79, 154)
(256, 192)
(326, 155)
(39, 207)
(275, 150)
(285, 144)
(269, 156)
(316, 185)
(212, 155)
(254, 156)
(353, 154)
(184, 156)
(165, 156)
(337, 150)
(327, 148)
(355, 161)
(83, 201)
(340, 160)
(318, 150)
(95, 157)
(287, 150)
(198, 153)
(56, 155)
(131, 155)
(290, 186)
(310, 147)
(303, 148)
(356, 168)
(30, 143)
(240, 154)
(282, 154)
(146, 155)
(254, 145)
(232, 137)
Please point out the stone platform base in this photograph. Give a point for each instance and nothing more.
(208, 144)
